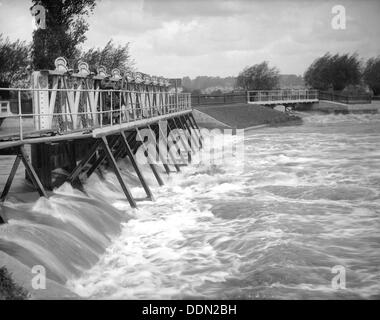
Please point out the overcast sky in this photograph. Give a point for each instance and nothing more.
(176, 38)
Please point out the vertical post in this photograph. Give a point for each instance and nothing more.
(101, 108)
(111, 117)
(120, 96)
(40, 99)
(20, 114)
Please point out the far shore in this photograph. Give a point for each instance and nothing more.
(242, 116)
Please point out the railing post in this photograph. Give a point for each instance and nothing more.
(20, 114)
(111, 118)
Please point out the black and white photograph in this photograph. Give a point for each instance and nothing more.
(189, 150)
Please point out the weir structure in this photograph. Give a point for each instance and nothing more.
(81, 120)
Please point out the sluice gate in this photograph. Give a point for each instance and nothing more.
(82, 120)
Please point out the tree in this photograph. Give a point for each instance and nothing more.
(14, 61)
(336, 72)
(111, 56)
(258, 77)
(371, 75)
(9, 290)
(65, 30)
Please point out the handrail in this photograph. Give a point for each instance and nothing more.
(345, 98)
(283, 95)
(88, 109)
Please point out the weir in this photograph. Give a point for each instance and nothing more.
(81, 120)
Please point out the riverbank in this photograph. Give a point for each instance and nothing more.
(241, 116)
(337, 107)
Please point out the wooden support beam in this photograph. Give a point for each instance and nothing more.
(11, 176)
(192, 119)
(78, 169)
(100, 159)
(135, 166)
(113, 163)
(179, 150)
(191, 140)
(32, 174)
(193, 130)
(185, 146)
(184, 128)
(163, 160)
(151, 163)
(164, 136)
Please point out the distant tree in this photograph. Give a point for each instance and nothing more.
(186, 84)
(111, 56)
(14, 61)
(205, 83)
(65, 30)
(258, 77)
(371, 75)
(334, 71)
(196, 92)
(216, 92)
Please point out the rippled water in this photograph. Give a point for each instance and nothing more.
(305, 199)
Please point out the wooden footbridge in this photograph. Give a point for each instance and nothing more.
(81, 120)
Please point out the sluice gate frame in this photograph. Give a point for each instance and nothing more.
(83, 120)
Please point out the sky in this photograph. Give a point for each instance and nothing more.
(176, 38)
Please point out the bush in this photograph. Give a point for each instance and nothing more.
(9, 290)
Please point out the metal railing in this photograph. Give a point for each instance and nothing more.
(268, 96)
(345, 98)
(75, 110)
(214, 99)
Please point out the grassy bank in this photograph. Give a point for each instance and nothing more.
(244, 115)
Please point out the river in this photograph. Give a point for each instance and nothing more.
(304, 200)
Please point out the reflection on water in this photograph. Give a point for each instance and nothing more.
(306, 199)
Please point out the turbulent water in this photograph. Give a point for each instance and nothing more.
(272, 225)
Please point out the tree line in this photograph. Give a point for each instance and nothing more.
(65, 32)
(345, 72)
(63, 35)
